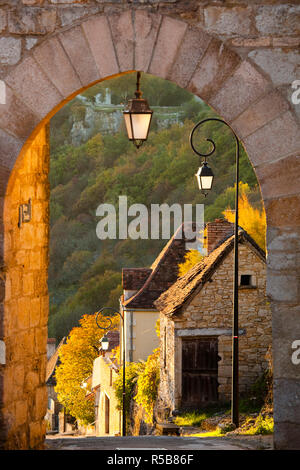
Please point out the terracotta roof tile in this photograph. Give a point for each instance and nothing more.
(134, 278)
(164, 270)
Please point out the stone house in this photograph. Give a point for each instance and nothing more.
(196, 324)
(56, 418)
(108, 418)
(142, 286)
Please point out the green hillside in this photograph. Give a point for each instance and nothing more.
(85, 272)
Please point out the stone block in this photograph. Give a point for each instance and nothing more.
(10, 50)
(277, 139)
(280, 178)
(31, 381)
(282, 287)
(16, 117)
(191, 50)
(23, 312)
(35, 312)
(286, 41)
(285, 239)
(69, 1)
(146, 27)
(19, 375)
(98, 34)
(36, 434)
(260, 113)
(217, 64)
(286, 400)
(245, 86)
(278, 19)
(56, 65)
(21, 412)
(169, 39)
(77, 48)
(286, 436)
(69, 15)
(30, 83)
(251, 42)
(226, 21)
(3, 20)
(41, 340)
(33, 20)
(40, 402)
(121, 26)
(281, 65)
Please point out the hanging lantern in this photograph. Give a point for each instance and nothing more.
(137, 116)
(205, 178)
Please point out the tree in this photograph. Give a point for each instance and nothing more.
(76, 365)
(191, 258)
(251, 219)
(147, 385)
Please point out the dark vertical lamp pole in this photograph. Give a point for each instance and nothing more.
(107, 318)
(205, 180)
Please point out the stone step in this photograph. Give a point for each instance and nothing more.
(167, 429)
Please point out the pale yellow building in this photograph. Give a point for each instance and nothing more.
(108, 419)
(141, 287)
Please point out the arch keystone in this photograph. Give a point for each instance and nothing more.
(168, 42)
(146, 27)
(123, 38)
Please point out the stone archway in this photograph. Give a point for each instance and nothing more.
(47, 77)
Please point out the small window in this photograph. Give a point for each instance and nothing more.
(246, 280)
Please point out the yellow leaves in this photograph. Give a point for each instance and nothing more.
(147, 385)
(76, 364)
(192, 257)
(251, 219)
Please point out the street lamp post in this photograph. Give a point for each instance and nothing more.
(104, 341)
(205, 180)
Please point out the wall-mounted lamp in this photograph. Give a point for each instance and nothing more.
(24, 213)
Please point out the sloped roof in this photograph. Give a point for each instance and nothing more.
(134, 278)
(164, 270)
(53, 362)
(171, 301)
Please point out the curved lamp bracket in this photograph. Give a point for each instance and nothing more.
(106, 318)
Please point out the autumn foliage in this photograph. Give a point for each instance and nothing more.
(251, 219)
(76, 365)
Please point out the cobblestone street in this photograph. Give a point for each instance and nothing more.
(59, 442)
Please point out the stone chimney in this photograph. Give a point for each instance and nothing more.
(215, 232)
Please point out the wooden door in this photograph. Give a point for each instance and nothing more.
(106, 414)
(199, 371)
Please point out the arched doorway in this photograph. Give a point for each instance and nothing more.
(50, 75)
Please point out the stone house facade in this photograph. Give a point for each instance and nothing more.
(108, 418)
(196, 327)
(57, 419)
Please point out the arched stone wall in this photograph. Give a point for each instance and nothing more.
(189, 52)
